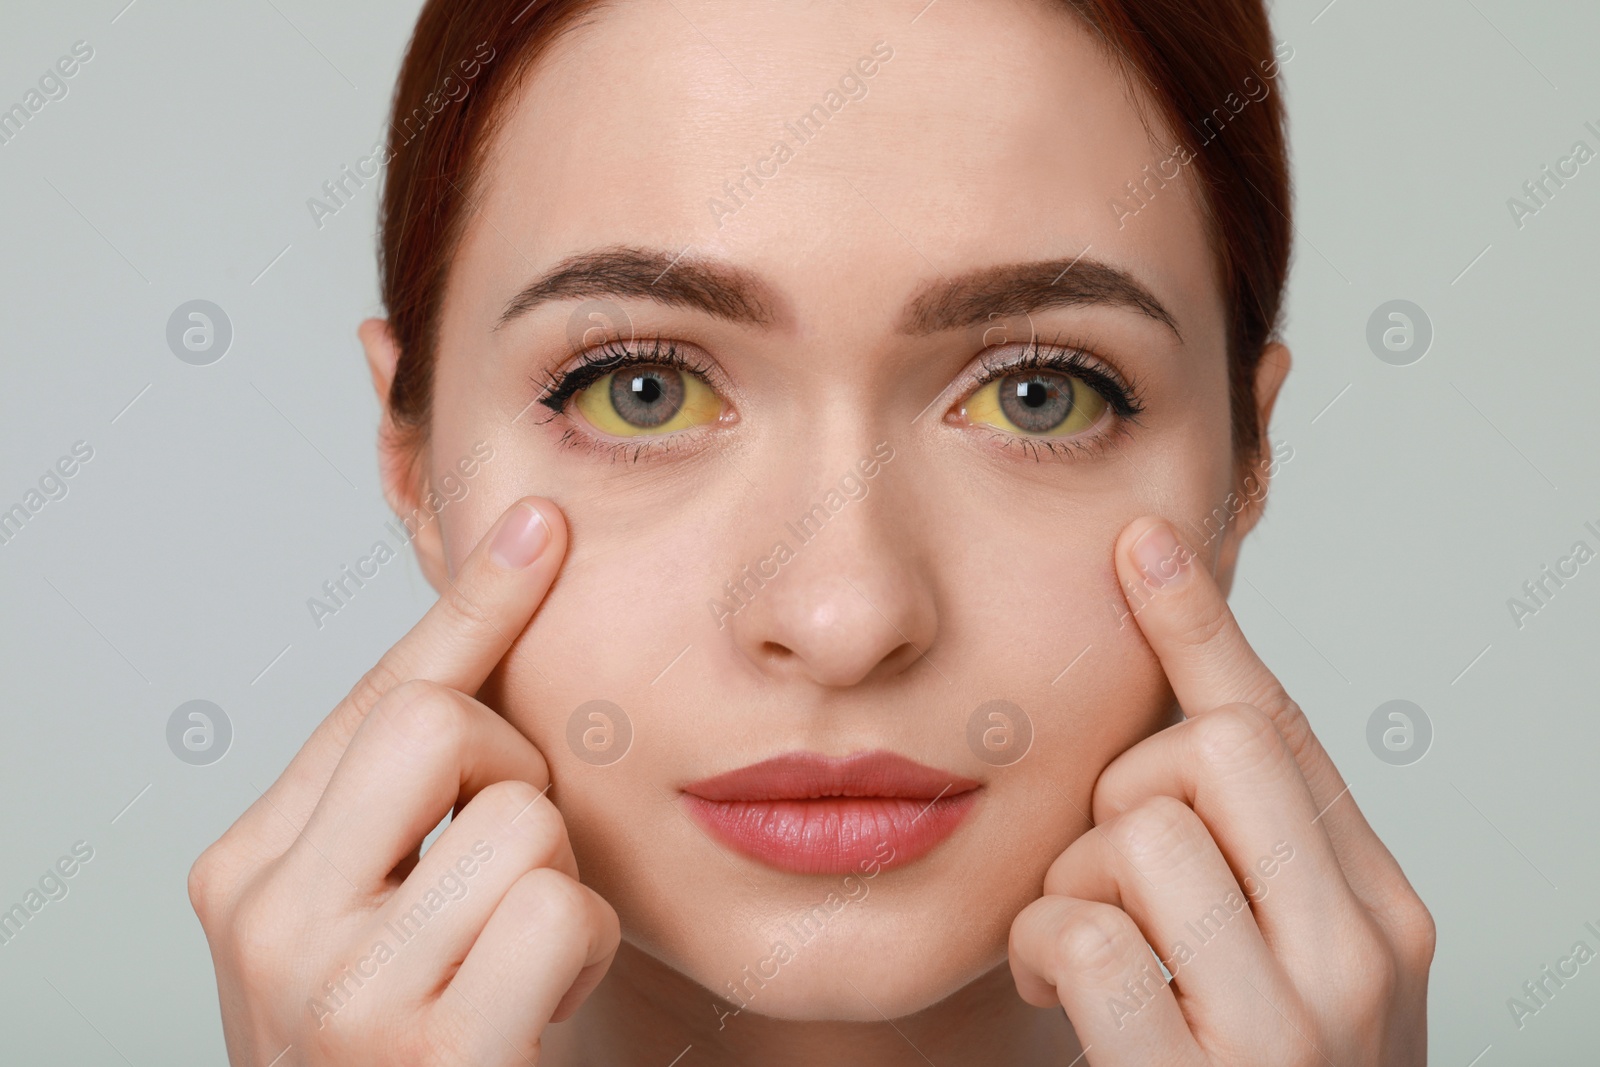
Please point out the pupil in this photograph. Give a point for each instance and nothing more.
(647, 389)
(1034, 394)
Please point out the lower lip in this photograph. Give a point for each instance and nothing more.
(832, 835)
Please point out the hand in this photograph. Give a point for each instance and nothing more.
(1228, 843)
(331, 937)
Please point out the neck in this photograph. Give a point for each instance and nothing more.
(646, 1012)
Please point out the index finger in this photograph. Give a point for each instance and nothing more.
(1208, 660)
(1210, 663)
(457, 643)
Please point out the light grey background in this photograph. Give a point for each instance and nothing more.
(178, 567)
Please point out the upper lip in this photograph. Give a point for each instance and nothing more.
(812, 776)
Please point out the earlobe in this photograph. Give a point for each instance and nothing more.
(401, 459)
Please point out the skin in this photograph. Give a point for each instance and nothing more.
(975, 567)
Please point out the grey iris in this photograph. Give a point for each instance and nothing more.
(1036, 403)
(647, 396)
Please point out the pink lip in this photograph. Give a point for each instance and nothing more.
(814, 814)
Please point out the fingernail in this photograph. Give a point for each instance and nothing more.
(1159, 555)
(521, 538)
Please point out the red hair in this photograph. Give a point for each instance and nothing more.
(1194, 60)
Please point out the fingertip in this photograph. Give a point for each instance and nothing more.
(1150, 552)
(529, 530)
(1134, 530)
(553, 517)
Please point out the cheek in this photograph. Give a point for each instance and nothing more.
(623, 607)
(1051, 632)
(625, 623)
(1035, 615)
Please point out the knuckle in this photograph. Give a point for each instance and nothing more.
(549, 899)
(422, 713)
(463, 610)
(1415, 933)
(216, 876)
(513, 798)
(526, 812)
(1295, 729)
(379, 680)
(1096, 941)
(1235, 737)
(1157, 834)
(1204, 623)
(204, 884)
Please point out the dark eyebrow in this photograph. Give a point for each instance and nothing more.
(676, 280)
(1017, 288)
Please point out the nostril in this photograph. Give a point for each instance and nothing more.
(901, 658)
(773, 650)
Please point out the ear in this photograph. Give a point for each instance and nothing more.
(402, 457)
(1254, 475)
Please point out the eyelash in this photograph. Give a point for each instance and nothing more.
(1068, 356)
(1059, 355)
(559, 386)
(595, 363)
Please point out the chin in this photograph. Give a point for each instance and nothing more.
(862, 968)
(851, 948)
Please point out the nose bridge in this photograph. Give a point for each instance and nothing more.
(840, 596)
(852, 481)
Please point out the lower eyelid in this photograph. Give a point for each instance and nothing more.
(1088, 444)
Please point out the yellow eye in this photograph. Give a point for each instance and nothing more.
(645, 400)
(1036, 404)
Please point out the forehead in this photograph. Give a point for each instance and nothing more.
(847, 152)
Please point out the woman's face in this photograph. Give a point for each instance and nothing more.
(805, 525)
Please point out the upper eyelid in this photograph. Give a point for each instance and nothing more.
(990, 369)
(560, 381)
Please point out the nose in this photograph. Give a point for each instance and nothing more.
(843, 597)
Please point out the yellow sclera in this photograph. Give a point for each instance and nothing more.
(597, 402)
(1079, 413)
